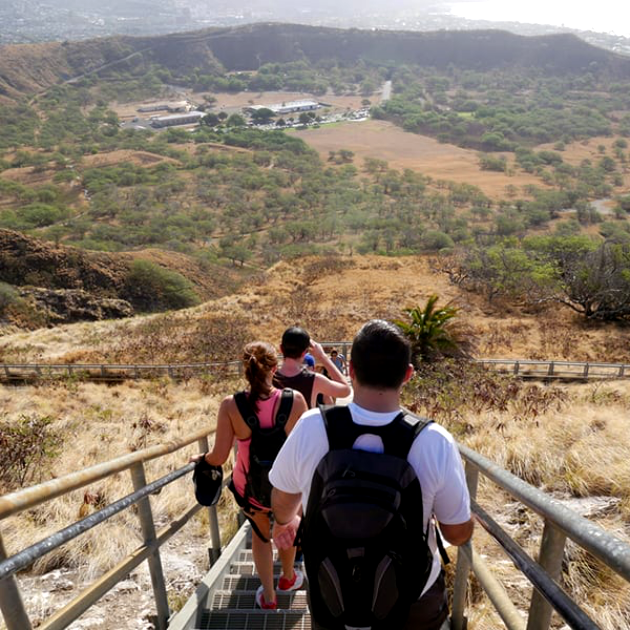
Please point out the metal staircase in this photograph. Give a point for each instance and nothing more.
(225, 598)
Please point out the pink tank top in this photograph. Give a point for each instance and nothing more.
(264, 411)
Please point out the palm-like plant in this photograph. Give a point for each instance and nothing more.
(431, 332)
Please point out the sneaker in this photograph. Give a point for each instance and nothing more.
(285, 586)
(260, 600)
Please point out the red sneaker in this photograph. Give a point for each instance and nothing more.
(285, 585)
(260, 600)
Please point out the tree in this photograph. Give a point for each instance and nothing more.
(235, 120)
(262, 116)
(432, 333)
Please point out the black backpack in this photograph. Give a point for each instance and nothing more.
(365, 552)
(264, 445)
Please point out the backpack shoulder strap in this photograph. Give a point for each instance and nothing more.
(399, 435)
(246, 411)
(340, 429)
(284, 409)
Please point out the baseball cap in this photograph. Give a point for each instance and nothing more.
(208, 481)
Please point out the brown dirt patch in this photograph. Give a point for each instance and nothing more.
(383, 140)
(141, 158)
(29, 175)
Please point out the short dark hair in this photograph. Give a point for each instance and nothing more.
(295, 341)
(380, 355)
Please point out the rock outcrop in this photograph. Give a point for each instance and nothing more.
(65, 306)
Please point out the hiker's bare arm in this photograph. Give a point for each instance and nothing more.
(457, 534)
(224, 436)
(336, 385)
(285, 509)
(299, 407)
(284, 505)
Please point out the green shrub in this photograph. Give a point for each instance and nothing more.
(153, 288)
(8, 296)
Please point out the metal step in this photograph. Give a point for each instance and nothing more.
(248, 568)
(235, 619)
(245, 600)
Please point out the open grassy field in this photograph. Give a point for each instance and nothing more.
(385, 141)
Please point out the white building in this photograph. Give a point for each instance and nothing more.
(286, 108)
(178, 106)
(187, 118)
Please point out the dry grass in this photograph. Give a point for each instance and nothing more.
(574, 444)
(577, 450)
(385, 141)
(332, 302)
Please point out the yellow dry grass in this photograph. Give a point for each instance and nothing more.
(578, 452)
(333, 302)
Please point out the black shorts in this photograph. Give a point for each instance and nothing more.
(428, 613)
(431, 610)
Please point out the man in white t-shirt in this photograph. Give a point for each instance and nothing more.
(379, 367)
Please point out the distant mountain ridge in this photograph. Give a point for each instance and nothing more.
(28, 68)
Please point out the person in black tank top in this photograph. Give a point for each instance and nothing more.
(296, 342)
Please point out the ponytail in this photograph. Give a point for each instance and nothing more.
(259, 358)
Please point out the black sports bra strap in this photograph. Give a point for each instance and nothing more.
(284, 408)
(246, 411)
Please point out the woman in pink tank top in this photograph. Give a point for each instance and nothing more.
(260, 361)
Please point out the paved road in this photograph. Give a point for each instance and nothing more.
(386, 92)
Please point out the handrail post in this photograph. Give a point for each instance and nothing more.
(550, 559)
(517, 366)
(213, 518)
(148, 531)
(586, 368)
(11, 604)
(462, 572)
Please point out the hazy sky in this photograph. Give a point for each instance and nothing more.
(606, 16)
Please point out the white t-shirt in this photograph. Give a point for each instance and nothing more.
(434, 457)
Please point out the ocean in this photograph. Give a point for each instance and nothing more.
(603, 16)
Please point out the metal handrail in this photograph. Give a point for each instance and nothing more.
(30, 497)
(560, 523)
(103, 371)
(27, 556)
(11, 604)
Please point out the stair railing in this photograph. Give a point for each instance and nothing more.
(544, 574)
(11, 603)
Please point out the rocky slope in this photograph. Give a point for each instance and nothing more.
(64, 284)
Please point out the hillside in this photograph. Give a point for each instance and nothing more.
(65, 284)
(332, 297)
(27, 69)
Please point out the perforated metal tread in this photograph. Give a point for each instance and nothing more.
(248, 568)
(254, 620)
(244, 600)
